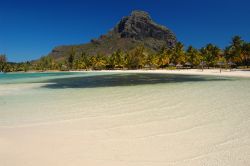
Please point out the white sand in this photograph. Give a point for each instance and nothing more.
(212, 72)
(178, 141)
(206, 124)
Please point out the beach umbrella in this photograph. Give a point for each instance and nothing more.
(179, 65)
(147, 66)
(188, 64)
(202, 64)
(231, 64)
(171, 64)
(220, 64)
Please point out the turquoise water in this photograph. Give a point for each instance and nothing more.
(30, 98)
(11, 78)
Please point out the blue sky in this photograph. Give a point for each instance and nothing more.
(30, 29)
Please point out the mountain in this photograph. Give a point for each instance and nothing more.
(131, 31)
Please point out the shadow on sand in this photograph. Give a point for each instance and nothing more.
(113, 80)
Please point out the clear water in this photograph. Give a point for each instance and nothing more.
(34, 98)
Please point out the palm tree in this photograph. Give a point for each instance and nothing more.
(3, 62)
(237, 42)
(221, 61)
(245, 56)
(193, 56)
(98, 62)
(238, 51)
(81, 61)
(236, 48)
(164, 57)
(116, 60)
(228, 55)
(71, 57)
(135, 58)
(178, 56)
(210, 53)
(86, 63)
(152, 60)
(46, 63)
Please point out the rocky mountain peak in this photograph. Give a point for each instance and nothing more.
(140, 26)
(138, 14)
(136, 29)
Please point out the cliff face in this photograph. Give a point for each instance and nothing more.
(131, 31)
(140, 26)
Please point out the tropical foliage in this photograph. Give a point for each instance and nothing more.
(3, 62)
(237, 53)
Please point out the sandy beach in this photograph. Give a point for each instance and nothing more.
(125, 83)
(212, 72)
(191, 122)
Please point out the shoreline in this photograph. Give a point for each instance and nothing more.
(127, 126)
(206, 72)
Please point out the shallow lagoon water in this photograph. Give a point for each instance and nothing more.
(44, 97)
(124, 119)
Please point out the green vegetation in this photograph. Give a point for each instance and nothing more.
(3, 63)
(236, 54)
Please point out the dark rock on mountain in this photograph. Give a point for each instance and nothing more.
(140, 26)
(131, 31)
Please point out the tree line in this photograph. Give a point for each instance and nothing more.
(236, 54)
